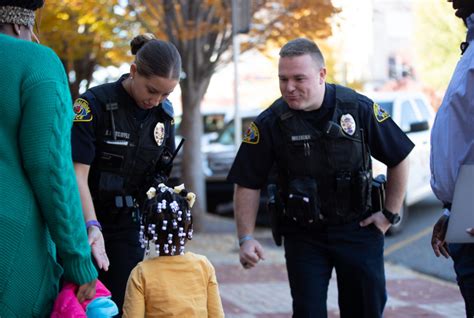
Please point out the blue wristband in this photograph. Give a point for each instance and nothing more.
(245, 238)
(93, 223)
(446, 212)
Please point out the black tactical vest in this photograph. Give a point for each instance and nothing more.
(325, 174)
(126, 149)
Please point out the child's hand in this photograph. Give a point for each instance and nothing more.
(86, 291)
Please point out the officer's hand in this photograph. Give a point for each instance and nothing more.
(439, 245)
(251, 252)
(86, 291)
(96, 241)
(379, 220)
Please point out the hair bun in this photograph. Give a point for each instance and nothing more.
(140, 40)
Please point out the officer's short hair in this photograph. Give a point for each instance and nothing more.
(302, 46)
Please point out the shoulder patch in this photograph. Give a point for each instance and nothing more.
(252, 135)
(82, 111)
(379, 113)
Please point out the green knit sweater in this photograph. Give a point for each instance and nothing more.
(39, 198)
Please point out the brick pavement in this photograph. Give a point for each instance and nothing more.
(263, 292)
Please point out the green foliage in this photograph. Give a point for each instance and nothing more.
(438, 36)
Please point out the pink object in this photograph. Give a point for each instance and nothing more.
(67, 305)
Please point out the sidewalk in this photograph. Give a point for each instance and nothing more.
(263, 292)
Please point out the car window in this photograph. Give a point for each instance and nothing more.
(424, 110)
(226, 136)
(213, 122)
(408, 115)
(387, 106)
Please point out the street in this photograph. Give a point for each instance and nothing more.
(410, 248)
(411, 270)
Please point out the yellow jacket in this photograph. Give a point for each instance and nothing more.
(173, 286)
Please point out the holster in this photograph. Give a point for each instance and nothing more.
(378, 193)
(275, 210)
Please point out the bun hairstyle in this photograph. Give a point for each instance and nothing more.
(167, 221)
(155, 57)
(20, 12)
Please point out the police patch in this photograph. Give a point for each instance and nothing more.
(252, 135)
(379, 113)
(159, 133)
(348, 124)
(82, 111)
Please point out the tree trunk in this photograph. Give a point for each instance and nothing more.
(192, 128)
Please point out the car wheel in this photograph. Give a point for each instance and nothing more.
(398, 227)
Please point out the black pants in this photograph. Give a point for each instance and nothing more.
(463, 257)
(124, 252)
(357, 255)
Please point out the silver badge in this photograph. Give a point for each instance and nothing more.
(348, 124)
(159, 133)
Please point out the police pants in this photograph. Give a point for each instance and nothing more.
(124, 252)
(463, 258)
(356, 253)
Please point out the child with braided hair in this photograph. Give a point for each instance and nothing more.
(171, 282)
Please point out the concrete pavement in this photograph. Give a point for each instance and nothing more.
(263, 292)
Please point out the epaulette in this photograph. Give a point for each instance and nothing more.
(281, 109)
(346, 95)
(167, 107)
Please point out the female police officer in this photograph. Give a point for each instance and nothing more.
(121, 132)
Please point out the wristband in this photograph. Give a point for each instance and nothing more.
(93, 223)
(446, 212)
(245, 238)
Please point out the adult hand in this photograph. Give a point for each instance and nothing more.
(251, 252)
(379, 220)
(439, 245)
(86, 291)
(96, 241)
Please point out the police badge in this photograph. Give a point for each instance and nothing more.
(348, 124)
(159, 133)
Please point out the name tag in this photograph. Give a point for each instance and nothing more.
(300, 137)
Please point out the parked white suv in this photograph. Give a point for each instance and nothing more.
(415, 116)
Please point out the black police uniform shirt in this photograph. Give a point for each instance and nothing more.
(84, 132)
(257, 153)
(89, 116)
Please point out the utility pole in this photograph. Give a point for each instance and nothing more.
(240, 24)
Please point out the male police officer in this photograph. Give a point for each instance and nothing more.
(321, 136)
